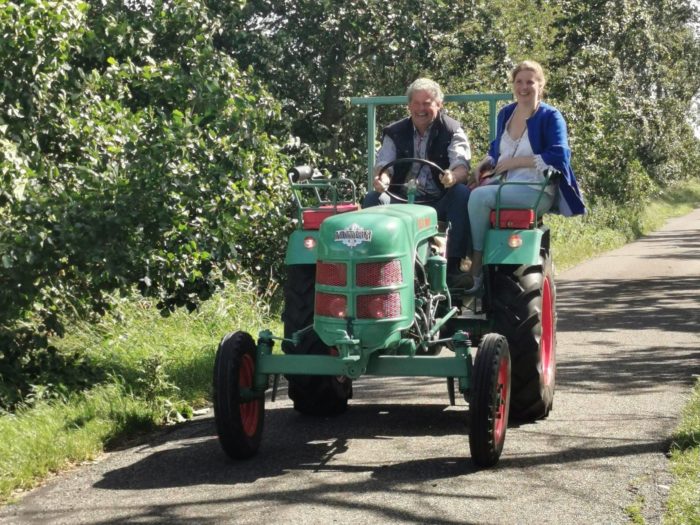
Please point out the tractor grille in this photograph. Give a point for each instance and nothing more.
(331, 305)
(331, 274)
(379, 273)
(380, 306)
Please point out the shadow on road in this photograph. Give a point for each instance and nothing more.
(290, 442)
(627, 371)
(296, 443)
(659, 305)
(671, 304)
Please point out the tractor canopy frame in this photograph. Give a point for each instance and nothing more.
(372, 102)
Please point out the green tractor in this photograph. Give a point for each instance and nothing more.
(366, 294)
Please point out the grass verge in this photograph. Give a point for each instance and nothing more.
(51, 436)
(157, 369)
(683, 505)
(605, 227)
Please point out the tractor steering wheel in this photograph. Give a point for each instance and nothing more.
(410, 181)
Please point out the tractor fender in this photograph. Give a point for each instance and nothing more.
(302, 247)
(499, 250)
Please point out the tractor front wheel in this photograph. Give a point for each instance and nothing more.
(239, 418)
(489, 400)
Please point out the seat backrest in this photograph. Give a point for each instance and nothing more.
(311, 219)
(514, 219)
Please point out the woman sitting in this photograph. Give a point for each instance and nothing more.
(530, 138)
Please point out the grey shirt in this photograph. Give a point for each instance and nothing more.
(458, 152)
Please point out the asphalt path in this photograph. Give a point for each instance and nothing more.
(627, 353)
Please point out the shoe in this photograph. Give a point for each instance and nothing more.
(460, 280)
(477, 285)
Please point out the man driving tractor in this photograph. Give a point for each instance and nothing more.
(429, 133)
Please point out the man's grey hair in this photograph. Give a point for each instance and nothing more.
(425, 84)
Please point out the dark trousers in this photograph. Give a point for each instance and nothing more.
(452, 207)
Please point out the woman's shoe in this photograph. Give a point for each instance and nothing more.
(478, 284)
(460, 280)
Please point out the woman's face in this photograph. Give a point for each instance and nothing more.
(526, 87)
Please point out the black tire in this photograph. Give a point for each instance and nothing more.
(488, 401)
(524, 308)
(312, 395)
(239, 424)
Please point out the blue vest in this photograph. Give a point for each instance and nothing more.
(441, 132)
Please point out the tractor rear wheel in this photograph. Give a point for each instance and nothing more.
(524, 308)
(489, 400)
(312, 395)
(239, 422)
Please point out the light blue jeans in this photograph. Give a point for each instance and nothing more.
(483, 199)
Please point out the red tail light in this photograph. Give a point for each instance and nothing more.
(382, 306)
(331, 305)
(379, 273)
(331, 274)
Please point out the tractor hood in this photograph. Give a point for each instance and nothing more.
(380, 231)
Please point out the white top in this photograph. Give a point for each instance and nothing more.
(521, 147)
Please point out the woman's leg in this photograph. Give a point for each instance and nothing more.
(483, 200)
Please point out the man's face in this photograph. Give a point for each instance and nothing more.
(423, 109)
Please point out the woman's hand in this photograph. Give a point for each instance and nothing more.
(514, 163)
(482, 171)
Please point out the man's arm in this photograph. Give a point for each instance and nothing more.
(385, 155)
(459, 152)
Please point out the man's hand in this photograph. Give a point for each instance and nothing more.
(381, 182)
(454, 176)
(448, 179)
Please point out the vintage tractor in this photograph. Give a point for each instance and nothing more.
(366, 293)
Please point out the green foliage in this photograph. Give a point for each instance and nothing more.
(138, 140)
(624, 74)
(155, 165)
(315, 55)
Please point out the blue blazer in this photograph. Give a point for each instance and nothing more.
(546, 130)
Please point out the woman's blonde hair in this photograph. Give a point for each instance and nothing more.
(530, 65)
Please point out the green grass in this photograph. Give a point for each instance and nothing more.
(51, 436)
(683, 506)
(604, 228)
(157, 369)
(634, 511)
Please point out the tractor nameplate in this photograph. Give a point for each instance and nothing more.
(353, 235)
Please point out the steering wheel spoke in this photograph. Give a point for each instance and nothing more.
(410, 183)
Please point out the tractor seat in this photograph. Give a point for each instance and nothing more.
(514, 219)
(312, 218)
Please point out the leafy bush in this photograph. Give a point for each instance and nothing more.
(157, 167)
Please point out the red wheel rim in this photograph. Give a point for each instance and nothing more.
(250, 411)
(547, 338)
(501, 415)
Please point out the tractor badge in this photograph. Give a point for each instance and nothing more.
(353, 235)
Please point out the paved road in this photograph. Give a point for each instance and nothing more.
(628, 348)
